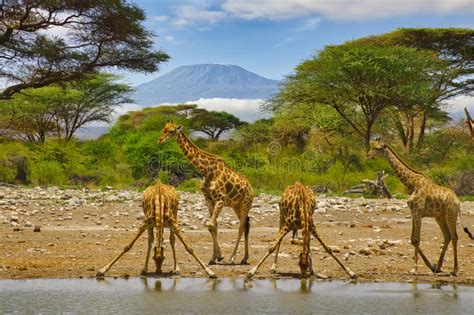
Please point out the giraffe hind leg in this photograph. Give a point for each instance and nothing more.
(447, 239)
(176, 270)
(452, 222)
(150, 245)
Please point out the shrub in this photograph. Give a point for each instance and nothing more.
(47, 173)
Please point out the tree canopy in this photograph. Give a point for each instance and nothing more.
(213, 123)
(360, 81)
(455, 47)
(54, 41)
(57, 110)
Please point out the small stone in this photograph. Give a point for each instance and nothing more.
(37, 228)
(365, 252)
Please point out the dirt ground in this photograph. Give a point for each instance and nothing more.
(76, 239)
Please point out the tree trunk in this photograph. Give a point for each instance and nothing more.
(421, 136)
(411, 132)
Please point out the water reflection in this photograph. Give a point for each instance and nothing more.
(446, 290)
(234, 296)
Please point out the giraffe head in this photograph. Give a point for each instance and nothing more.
(169, 131)
(304, 264)
(377, 148)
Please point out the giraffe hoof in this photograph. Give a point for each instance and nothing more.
(221, 258)
(212, 275)
(176, 272)
(144, 272)
(250, 275)
(212, 262)
(100, 274)
(244, 261)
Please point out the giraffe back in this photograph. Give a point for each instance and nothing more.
(295, 199)
(222, 182)
(162, 198)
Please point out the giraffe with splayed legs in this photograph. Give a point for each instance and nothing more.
(297, 206)
(222, 187)
(160, 206)
(427, 199)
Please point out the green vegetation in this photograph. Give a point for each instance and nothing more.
(321, 123)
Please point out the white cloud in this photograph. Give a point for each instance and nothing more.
(244, 109)
(170, 39)
(456, 105)
(189, 14)
(308, 25)
(341, 9)
(160, 18)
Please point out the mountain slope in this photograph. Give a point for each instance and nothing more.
(189, 83)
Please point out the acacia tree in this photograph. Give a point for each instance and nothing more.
(455, 47)
(95, 101)
(359, 82)
(55, 41)
(56, 110)
(213, 123)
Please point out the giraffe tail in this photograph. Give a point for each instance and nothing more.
(465, 229)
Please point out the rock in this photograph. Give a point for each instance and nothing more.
(37, 228)
(28, 224)
(321, 276)
(365, 251)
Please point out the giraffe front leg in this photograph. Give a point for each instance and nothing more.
(329, 251)
(415, 241)
(274, 266)
(104, 269)
(272, 248)
(176, 230)
(212, 226)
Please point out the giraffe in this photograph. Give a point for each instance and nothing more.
(297, 206)
(426, 200)
(160, 206)
(222, 187)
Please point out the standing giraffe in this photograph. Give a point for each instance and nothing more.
(426, 200)
(222, 187)
(160, 206)
(297, 206)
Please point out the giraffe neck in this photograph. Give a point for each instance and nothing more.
(408, 176)
(199, 158)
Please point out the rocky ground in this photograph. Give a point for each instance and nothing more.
(55, 233)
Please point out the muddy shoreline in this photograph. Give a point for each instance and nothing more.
(81, 230)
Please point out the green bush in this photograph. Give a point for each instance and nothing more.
(47, 173)
(7, 174)
(190, 185)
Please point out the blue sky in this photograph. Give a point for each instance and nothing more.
(270, 37)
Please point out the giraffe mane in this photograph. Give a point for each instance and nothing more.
(199, 149)
(403, 162)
